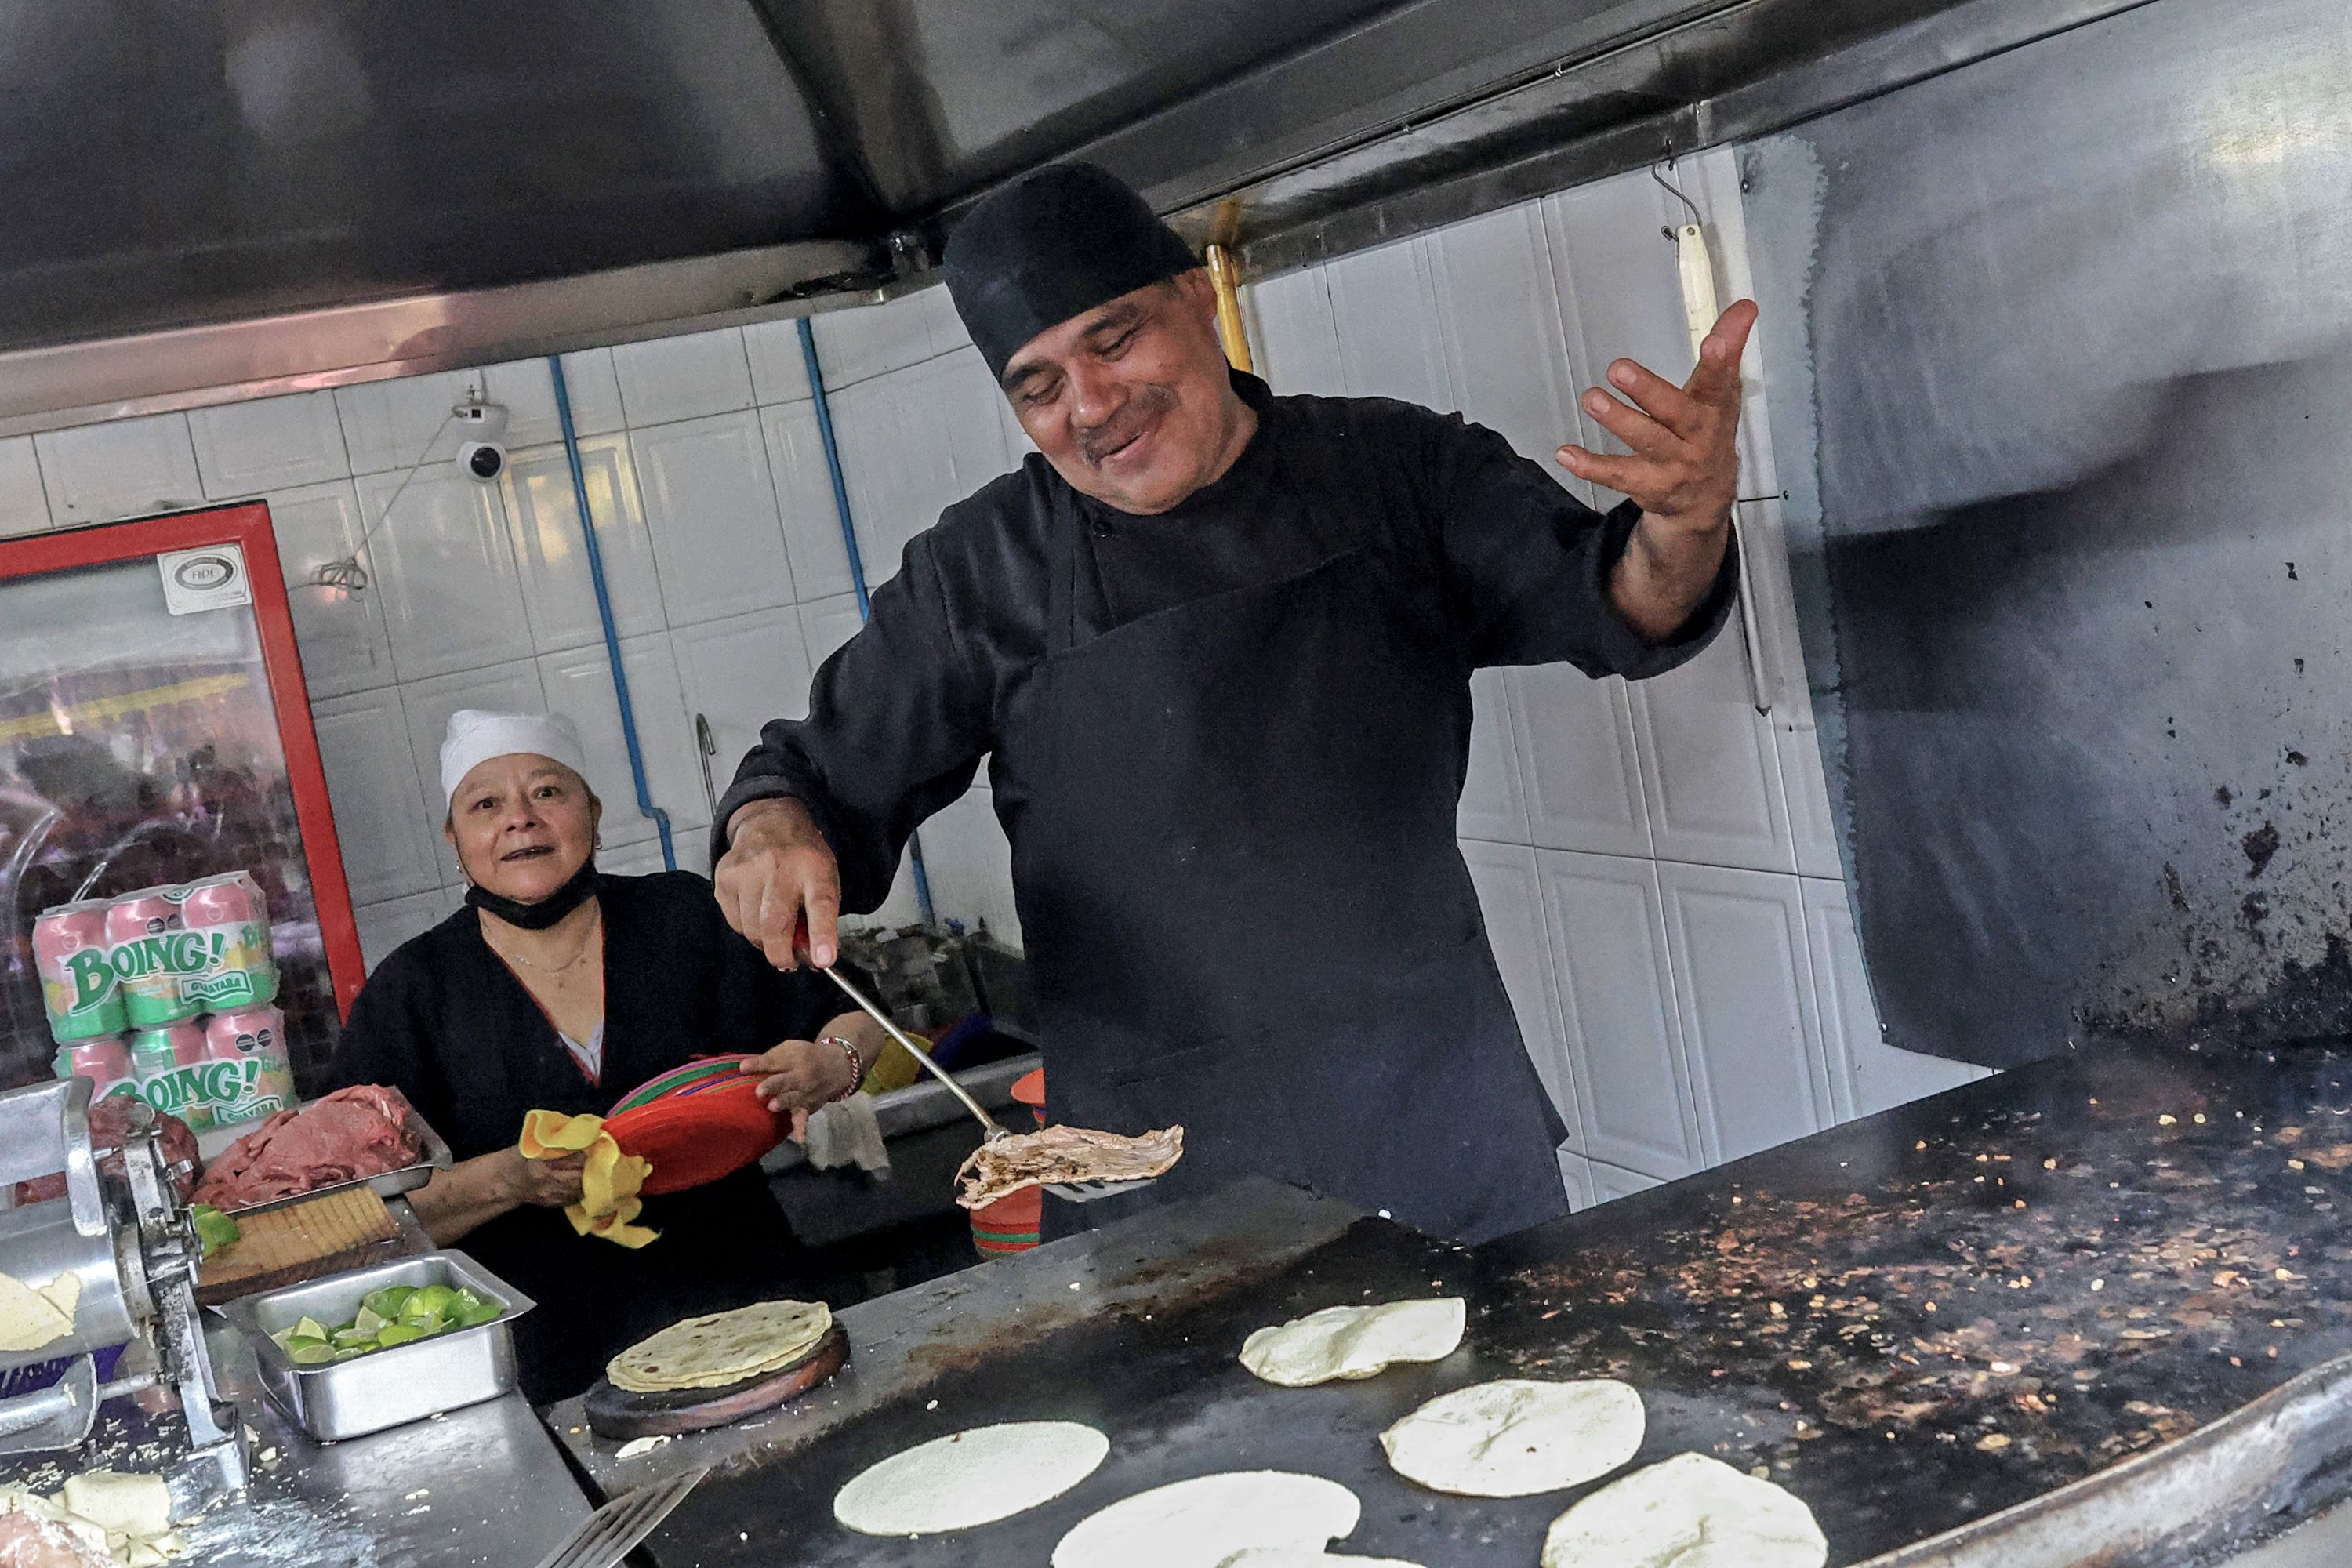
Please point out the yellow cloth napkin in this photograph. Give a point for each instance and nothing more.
(608, 1187)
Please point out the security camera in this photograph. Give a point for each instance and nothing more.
(479, 426)
(483, 461)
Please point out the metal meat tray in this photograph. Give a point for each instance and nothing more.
(435, 1156)
(387, 1387)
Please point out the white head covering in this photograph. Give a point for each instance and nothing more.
(475, 737)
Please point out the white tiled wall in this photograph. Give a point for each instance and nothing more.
(715, 518)
(1654, 860)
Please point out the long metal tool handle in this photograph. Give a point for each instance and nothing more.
(918, 1052)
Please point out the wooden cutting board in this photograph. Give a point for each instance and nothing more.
(302, 1241)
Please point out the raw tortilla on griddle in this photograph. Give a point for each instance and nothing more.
(1003, 1166)
(1205, 1521)
(1355, 1341)
(1513, 1437)
(969, 1479)
(1690, 1511)
(1300, 1557)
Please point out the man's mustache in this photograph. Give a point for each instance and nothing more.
(1101, 440)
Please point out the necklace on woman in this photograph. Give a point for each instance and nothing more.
(595, 925)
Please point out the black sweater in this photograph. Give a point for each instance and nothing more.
(446, 1022)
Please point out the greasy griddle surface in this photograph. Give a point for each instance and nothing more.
(2101, 1279)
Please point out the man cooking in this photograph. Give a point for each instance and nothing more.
(1216, 646)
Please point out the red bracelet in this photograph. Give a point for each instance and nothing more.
(857, 1065)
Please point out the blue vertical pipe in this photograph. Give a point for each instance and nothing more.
(857, 558)
(645, 806)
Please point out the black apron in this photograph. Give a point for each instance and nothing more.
(1232, 830)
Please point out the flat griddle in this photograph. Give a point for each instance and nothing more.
(2104, 1281)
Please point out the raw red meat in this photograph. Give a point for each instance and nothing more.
(29, 1542)
(341, 1137)
(109, 1120)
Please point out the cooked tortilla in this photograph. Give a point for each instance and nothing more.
(1516, 1438)
(30, 1319)
(722, 1348)
(1003, 1166)
(1354, 1341)
(969, 1479)
(1202, 1523)
(1690, 1511)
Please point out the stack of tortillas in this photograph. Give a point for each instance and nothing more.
(1354, 1341)
(722, 1349)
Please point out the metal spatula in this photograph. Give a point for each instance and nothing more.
(614, 1531)
(1075, 1191)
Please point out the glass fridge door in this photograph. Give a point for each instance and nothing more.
(149, 739)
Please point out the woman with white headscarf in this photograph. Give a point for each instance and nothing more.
(559, 987)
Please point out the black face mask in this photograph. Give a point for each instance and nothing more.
(548, 910)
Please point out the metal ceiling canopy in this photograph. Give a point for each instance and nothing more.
(223, 198)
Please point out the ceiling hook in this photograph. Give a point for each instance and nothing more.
(1697, 221)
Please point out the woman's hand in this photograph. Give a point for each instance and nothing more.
(800, 1075)
(545, 1183)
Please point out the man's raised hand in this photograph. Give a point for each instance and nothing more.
(1684, 469)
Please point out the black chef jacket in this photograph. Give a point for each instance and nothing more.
(445, 1021)
(1412, 520)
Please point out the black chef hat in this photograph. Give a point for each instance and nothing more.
(1054, 243)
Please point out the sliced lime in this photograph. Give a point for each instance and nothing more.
(310, 1328)
(309, 1352)
(480, 1312)
(430, 1301)
(397, 1334)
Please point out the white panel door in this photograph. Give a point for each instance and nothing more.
(1493, 806)
(451, 594)
(341, 636)
(24, 504)
(1624, 1042)
(126, 467)
(1510, 896)
(1710, 767)
(1743, 988)
(713, 508)
(1294, 341)
(1498, 311)
(268, 444)
(387, 840)
(1619, 283)
(1577, 761)
(543, 522)
(1611, 1182)
(1391, 343)
(739, 674)
(970, 866)
(1576, 1177)
(502, 689)
(386, 926)
(581, 683)
(1866, 1074)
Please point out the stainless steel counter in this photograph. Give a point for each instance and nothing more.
(484, 1487)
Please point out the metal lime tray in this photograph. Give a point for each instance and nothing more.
(433, 1157)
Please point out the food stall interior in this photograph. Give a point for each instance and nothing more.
(2054, 298)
